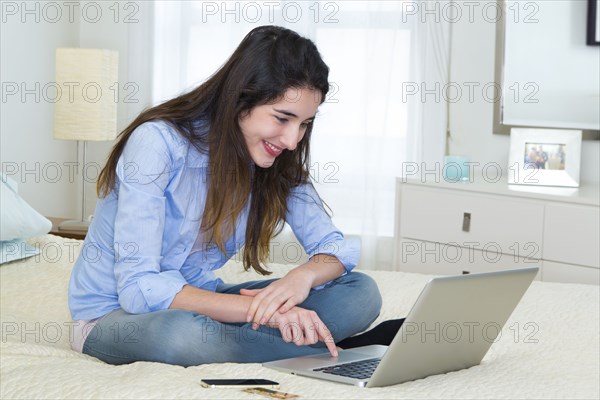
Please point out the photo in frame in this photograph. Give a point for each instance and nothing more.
(545, 157)
(593, 23)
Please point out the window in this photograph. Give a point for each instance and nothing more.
(367, 128)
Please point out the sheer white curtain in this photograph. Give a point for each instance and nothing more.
(370, 123)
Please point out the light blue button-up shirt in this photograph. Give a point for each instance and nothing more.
(137, 253)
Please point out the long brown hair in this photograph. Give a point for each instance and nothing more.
(269, 61)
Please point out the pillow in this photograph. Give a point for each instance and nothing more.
(16, 249)
(18, 220)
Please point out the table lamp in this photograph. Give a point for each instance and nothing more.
(86, 108)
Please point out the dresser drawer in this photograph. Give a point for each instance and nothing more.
(444, 259)
(572, 234)
(475, 220)
(558, 272)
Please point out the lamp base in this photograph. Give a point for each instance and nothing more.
(73, 225)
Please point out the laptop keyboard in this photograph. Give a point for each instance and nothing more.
(357, 369)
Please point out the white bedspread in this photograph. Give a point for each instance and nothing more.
(552, 350)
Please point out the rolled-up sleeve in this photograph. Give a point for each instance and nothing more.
(314, 229)
(143, 172)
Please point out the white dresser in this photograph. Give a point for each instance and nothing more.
(454, 228)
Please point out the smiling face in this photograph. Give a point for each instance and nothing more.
(270, 129)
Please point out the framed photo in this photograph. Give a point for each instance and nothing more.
(593, 23)
(547, 157)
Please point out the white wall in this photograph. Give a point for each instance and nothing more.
(27, 60)
(29, 40)
(135, 68)
(471, 123)
(27, 56)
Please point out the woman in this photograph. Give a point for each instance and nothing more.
(189, 183)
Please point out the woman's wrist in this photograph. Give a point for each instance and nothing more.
(322, 268)
(222, 307)
(305, 274)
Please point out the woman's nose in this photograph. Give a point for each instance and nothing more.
(291, 137)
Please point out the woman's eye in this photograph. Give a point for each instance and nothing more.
(304, 125)
(281, 119)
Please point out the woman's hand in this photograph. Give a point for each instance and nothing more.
(303, 327)
(280, 296)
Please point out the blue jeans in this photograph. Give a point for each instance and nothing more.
(347, 306)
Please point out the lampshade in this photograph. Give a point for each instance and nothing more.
(86, 108)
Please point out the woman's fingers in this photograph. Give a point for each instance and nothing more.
(326, 337)
(273, 304)
(288, 305)
(295, 334)
(262, 307)
(265, 311)
(286, 292)
(265, 304)
(250, 292)
(254, 306)
(305, 328)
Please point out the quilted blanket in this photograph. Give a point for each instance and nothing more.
(549, 348)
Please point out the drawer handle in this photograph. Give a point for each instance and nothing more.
(466, 272)
(466, 222)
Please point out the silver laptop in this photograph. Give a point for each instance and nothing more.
(451, 326)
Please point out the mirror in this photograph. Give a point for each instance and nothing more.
(549, 76)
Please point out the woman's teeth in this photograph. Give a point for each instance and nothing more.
(273, 148)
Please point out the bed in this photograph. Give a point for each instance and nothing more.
(548, 349)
